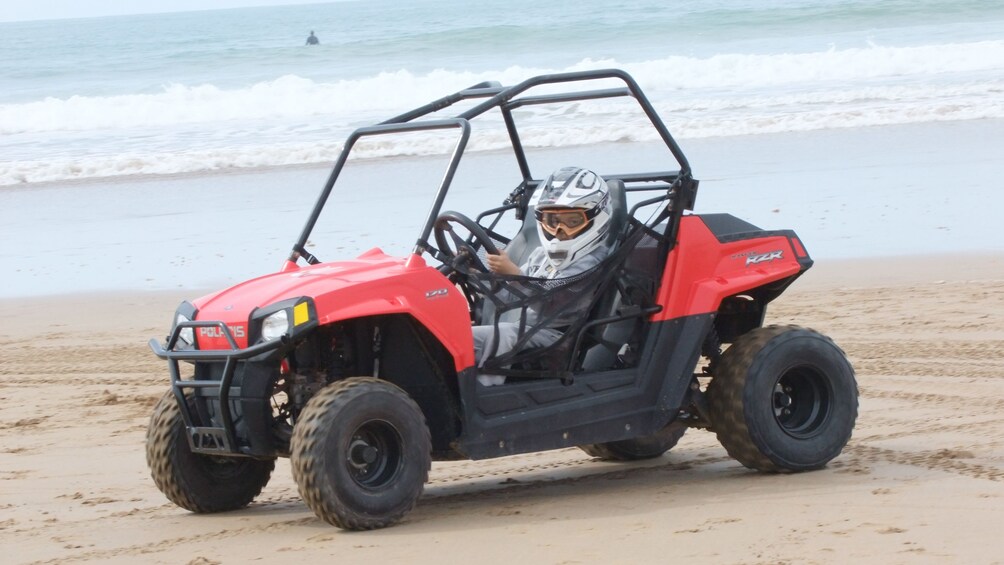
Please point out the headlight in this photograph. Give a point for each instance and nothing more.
(290, 318)
(187, 335)
(274, 325)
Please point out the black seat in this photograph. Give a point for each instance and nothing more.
(618, 210)
(524, 242)
(610, 338)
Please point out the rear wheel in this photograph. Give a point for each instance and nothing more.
(633, 449)
(783, 398)
(361, 453)
(193, 481)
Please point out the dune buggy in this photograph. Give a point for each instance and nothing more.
(362, 371)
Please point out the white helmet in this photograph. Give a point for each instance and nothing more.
(576, 201)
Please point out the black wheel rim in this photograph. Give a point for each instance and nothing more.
(374, 454)
(801, 402)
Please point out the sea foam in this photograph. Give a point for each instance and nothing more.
(295, 120)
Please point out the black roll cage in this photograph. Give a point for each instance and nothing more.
(680, 185)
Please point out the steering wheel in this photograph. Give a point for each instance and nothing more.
(463, 251)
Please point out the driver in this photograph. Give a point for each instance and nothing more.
(573, 213)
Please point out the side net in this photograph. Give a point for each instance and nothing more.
(575, 306)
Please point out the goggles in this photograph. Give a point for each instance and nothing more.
(573, 220)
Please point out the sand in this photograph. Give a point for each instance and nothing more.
(922, 479)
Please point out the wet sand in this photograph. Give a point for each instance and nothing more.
(930, 188)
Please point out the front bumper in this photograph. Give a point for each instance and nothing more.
(219, 436)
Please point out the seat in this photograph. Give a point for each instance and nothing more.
(618, 210)
(525, 241)
(602, 356)
(610, 337)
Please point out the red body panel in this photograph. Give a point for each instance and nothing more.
(701, 271)
(372, 284)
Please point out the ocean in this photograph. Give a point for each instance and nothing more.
(230, 89)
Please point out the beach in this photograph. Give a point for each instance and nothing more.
(920, 481)
(147, 159)
(909, 281)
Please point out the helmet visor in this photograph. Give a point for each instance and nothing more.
(572, 220)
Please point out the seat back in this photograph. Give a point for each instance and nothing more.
(610, 338)
(618, 210)
(525, 241)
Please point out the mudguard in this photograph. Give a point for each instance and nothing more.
(707, 266)
(373, 284)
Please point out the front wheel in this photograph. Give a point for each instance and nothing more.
(196, 482)
(361, 453)
(783, 398)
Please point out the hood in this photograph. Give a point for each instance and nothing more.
(234, 306)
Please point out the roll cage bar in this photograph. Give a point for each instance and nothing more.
(681, 186)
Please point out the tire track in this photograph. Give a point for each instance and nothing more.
(512, 472)
(927, 350)
(990, 429)
(144, 549)
(81, 380)
(429, 501)
(947, 400)
(62, 360)
(947, 460)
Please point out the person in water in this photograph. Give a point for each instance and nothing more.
(312, 39)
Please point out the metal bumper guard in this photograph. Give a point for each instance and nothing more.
(207, 439)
